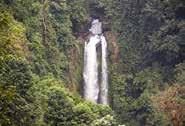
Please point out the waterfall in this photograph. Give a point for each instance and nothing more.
(91, 87)
(104, 81)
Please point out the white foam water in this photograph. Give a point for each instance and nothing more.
(91, 87)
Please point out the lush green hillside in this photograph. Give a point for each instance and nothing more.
(41, 62)
(147, 81)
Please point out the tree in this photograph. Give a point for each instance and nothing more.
(171, 102)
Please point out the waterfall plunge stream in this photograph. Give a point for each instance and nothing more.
(94, 91)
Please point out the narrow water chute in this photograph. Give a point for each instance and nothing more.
(104, 79)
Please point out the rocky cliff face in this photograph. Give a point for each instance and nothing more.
(113, 47)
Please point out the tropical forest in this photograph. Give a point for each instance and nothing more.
(92, 62)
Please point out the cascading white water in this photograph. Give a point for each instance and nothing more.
(104, 81)
(91, 86)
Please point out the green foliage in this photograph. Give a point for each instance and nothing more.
(56, 106)
(180, 73)
(15, 81)
(171, 103)
(105, 121)
(60, 107)
(6, 98)
(62, 110)
(14, 72)
(49, 28)
(150, 36)
(12, 39)
(131, 94)
(40, 56)
(36, 63)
